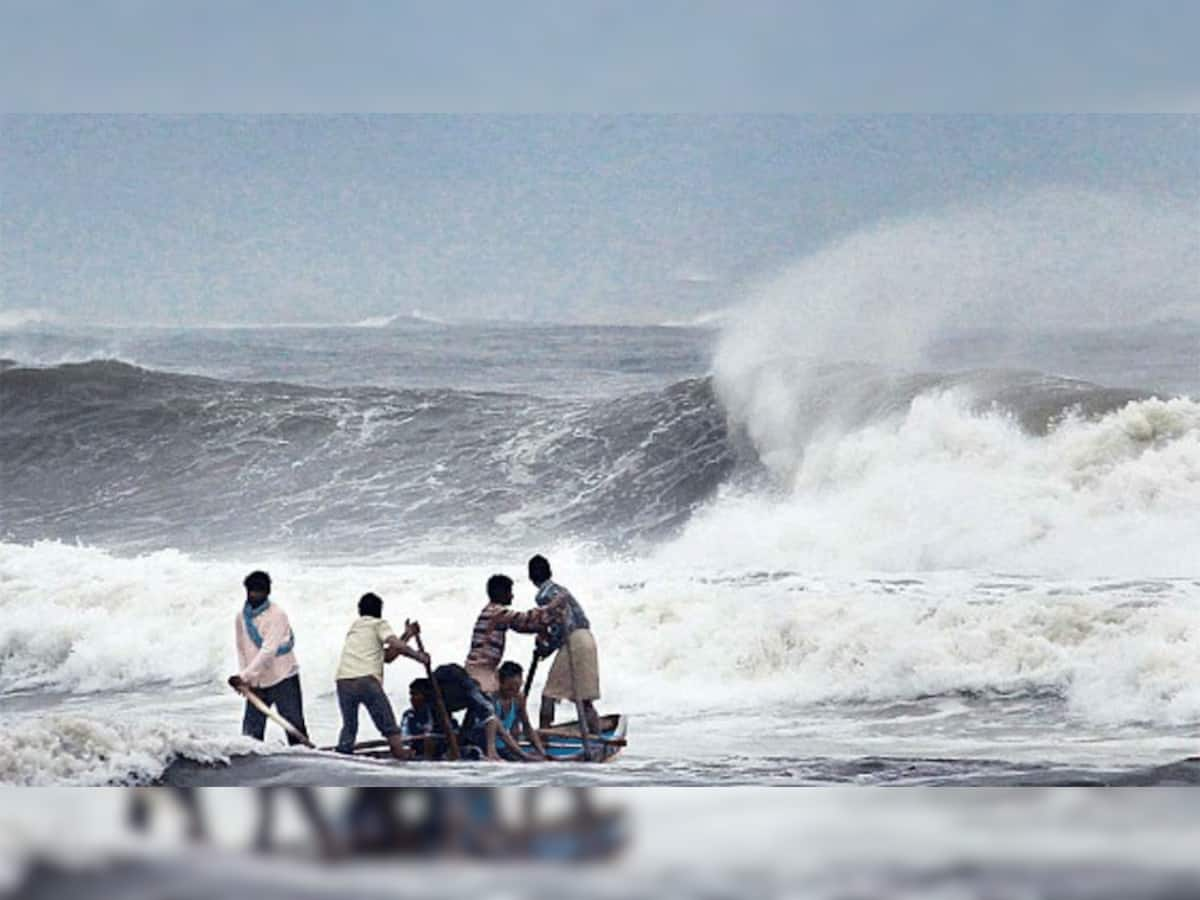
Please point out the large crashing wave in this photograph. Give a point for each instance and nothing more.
(118, 455)
(870, 379)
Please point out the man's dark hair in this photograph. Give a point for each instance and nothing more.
(509, 669)
(258, 582)
(370, 605)
(539, 569)
(421, 686)
(499, 589)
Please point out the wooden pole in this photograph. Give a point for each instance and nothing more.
(254, 700)
(533, 663)
(451, 738)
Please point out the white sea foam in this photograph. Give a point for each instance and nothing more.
(95, 750)
(947, 487)
(681, 637)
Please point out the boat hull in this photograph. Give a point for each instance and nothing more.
(563, 742)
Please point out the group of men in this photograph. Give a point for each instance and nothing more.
(489, 691)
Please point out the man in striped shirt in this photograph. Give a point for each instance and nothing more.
(491, 628)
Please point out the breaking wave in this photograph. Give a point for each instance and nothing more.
(816, 467)
(943, 484)
(117, 455)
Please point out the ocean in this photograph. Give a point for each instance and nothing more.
(976, 566)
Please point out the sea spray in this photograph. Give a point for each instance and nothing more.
(945, 486)
(986, 278)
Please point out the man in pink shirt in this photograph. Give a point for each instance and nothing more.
(264, 646)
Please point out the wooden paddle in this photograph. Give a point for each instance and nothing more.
(254, 700)
(452, 753)
(377, 745)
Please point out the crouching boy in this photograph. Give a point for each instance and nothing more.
(419, 726)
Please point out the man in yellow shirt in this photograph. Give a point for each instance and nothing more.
(370, 643)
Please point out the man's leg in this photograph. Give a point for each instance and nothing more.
(593, 717)
(546, 713)
(348, 704)
(254, 723)
(380, 710)
(290, 704)
(481, 711)
(557, 686)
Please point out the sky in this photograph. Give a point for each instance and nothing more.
(669, 191)
(599, 56)
(203, 219)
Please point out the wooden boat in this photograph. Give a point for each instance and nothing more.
(563, 742)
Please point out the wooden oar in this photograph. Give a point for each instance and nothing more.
(376, 745)
(451, 738)
(532, 669)
(254, 700)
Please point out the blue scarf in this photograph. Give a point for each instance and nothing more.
(249, 614)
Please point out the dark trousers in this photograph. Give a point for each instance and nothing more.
(368, 692)
(285, 697)
(461, 691)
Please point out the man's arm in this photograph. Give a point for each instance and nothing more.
(391, 649)
(531, 732)
(531, 621)
(387, 638)
(394, 646)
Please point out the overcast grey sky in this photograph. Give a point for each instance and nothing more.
(621, 218)
(617, 55)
